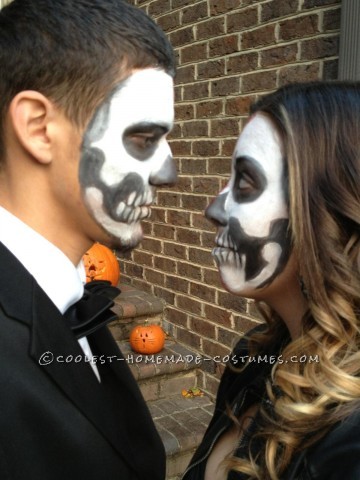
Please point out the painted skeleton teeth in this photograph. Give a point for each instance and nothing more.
(120, 208)
(138, 200)
(131, 198)
(149, 198)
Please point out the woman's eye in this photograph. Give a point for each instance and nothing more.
(245, 182)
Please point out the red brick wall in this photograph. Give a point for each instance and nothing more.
(229, 52)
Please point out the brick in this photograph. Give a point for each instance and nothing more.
(198, 290)
(178, 284)
(188, 304)
(189, 270)
(159, 7)
(244, 324)
(318, 3)
(206, 148)
(331, 20)
(242, 63)
(165, 264)
(207, 240)
(212, 277)
(222, 6)
(212, 385)
(228, 337)
(169, 21)
(174, 250)
(224, 127)
(200, 257)
(178, 218)
(188, 338)
(213, 349)
(202, 327)
(151, 244)
(193, 53)
(134, 270)
(259, 81)
(184, 112)
(176, 316)
(330, 70)
(258, 37)
(206, 185)
(157, 215)
(184, 184)
(278, 9)
(186, 236)
(196, 128)
(225, 87)
(239, 105)
(164, 231)
(168, 199)
(182, 37)
(299, 27)
(185, 74)
(210, 29)
(194, 202)
(223, 45)
(143, 258)
(241, 20)
(181, 3)
(210, 108)
(211, 69)
(164, 294)
(193, 166)
(299, 73)
(175, 132)
(279, 55)
(154, 277)
(195, 13)
(217, 315)
(320, 48)
(180, 148)
(202, 223)
(198, 90)
(231, 302)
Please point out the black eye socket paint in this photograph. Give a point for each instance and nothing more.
(91, 164)
(250, 179)
(252, 247)
(141, 140)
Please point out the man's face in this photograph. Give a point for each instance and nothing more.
(125, 154)
(253, 243)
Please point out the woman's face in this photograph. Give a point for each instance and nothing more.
(253, 242)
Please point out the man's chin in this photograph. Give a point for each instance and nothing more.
(125, 237)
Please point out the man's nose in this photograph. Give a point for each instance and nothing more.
(166, 175)
(216, 210)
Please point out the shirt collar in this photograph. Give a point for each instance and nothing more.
(51, 268)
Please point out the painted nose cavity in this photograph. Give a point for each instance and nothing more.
(216, 210)
(166, 175)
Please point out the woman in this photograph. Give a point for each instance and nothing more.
(288, 405)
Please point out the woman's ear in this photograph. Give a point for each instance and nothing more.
(31, 114)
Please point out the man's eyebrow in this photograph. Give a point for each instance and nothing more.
(148, 127)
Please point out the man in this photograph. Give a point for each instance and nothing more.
(86, 99)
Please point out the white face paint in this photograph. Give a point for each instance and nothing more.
(253, 240)
(125, 154)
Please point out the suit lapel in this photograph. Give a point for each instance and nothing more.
(23, 300)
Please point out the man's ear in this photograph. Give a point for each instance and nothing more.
(31, 114)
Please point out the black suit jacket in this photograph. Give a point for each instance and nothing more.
(57, 422)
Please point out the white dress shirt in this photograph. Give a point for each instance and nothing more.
(52, 269)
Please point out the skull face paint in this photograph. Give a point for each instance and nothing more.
(125, 154)
(253, 241)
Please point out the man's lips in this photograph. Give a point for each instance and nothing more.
(135, 208)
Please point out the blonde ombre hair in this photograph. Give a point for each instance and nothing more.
(319, 124)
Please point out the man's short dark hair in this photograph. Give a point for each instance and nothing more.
(75, 51)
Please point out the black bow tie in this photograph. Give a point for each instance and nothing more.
(92, 311)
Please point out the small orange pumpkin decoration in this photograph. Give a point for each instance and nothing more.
(147, 339)
(101, 264)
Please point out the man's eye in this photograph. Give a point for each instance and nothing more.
(143, 141)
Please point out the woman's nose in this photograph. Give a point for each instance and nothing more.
(216, 210)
